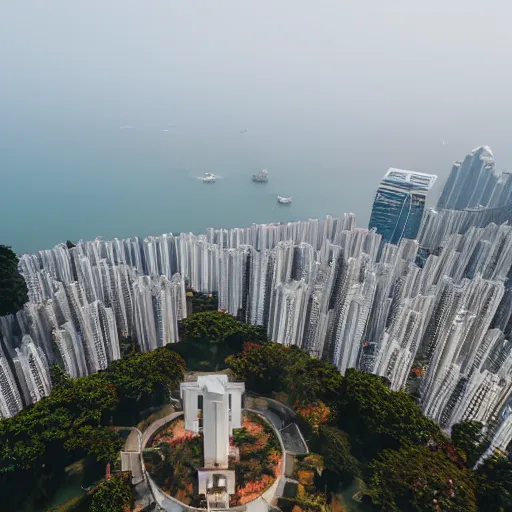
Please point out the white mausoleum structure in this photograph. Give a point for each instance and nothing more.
(221, 413)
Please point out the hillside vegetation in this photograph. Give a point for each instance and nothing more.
(359, 431)
(13, 289)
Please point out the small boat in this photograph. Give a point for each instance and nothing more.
(209, 177)
(261, 177)
(284, 200)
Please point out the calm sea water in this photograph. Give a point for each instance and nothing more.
(72, 181)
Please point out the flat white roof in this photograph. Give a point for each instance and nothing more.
(419, 178)
(213, 383)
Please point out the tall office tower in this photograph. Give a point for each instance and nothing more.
(502, 193)
(261, 269)
(39, 327)
(501, 436)
(151, 251)
(198, 261)
(489, 383)
(304, 259)
(10, 398)
(121, 277)
(471, 183)
(462, 317)
(169, 306)
(399, 203)
(234, 279)
(317, 319)
(351, 311)
(288, 307)
(56, 261)
(132, 253)
(438, 225)
(98, 328)
(145, 325)
(158, 306)
(71, 352)
(86, 278)
(284, 262)
(61, 304)
(34, 374)
(397, 350)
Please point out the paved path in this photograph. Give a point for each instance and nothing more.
(132, 442)
(157, 425)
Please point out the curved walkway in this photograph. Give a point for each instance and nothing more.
(133, 441)
(148, 433)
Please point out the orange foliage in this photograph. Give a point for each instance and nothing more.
(174, 434)
(276, 461)
(182, 495)
(253, 489)
(175, 441)
(315, 414)
(306, 477)
(253, 428)
(336, 506)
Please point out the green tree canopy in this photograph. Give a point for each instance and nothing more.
(73, 421)
(103, 443)
(13, 289)
(419, 479)
(219, 327)
(142, 374)
(379, 418)
(312, 379)
(340, 465)
(262, 368)
(113, 495)
(38, 434)
(210, 337)
(273, 367)
(494, 484)
(75, 415)
(468, 437)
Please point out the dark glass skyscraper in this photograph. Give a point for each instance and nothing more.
(399, 204)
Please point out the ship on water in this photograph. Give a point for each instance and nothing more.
(261, 177)
(209, 177)
(284, 200)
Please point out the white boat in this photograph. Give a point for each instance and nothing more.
(284, 200)
(209, 177)
(261, 177)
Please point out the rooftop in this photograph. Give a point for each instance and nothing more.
(411, 178)
(213, 383)
(194, 376)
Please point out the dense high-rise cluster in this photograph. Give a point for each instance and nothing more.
(81, 301)
(475, 194)
(436, 322)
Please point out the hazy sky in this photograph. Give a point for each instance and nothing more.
(442, 62)
(370, 84)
